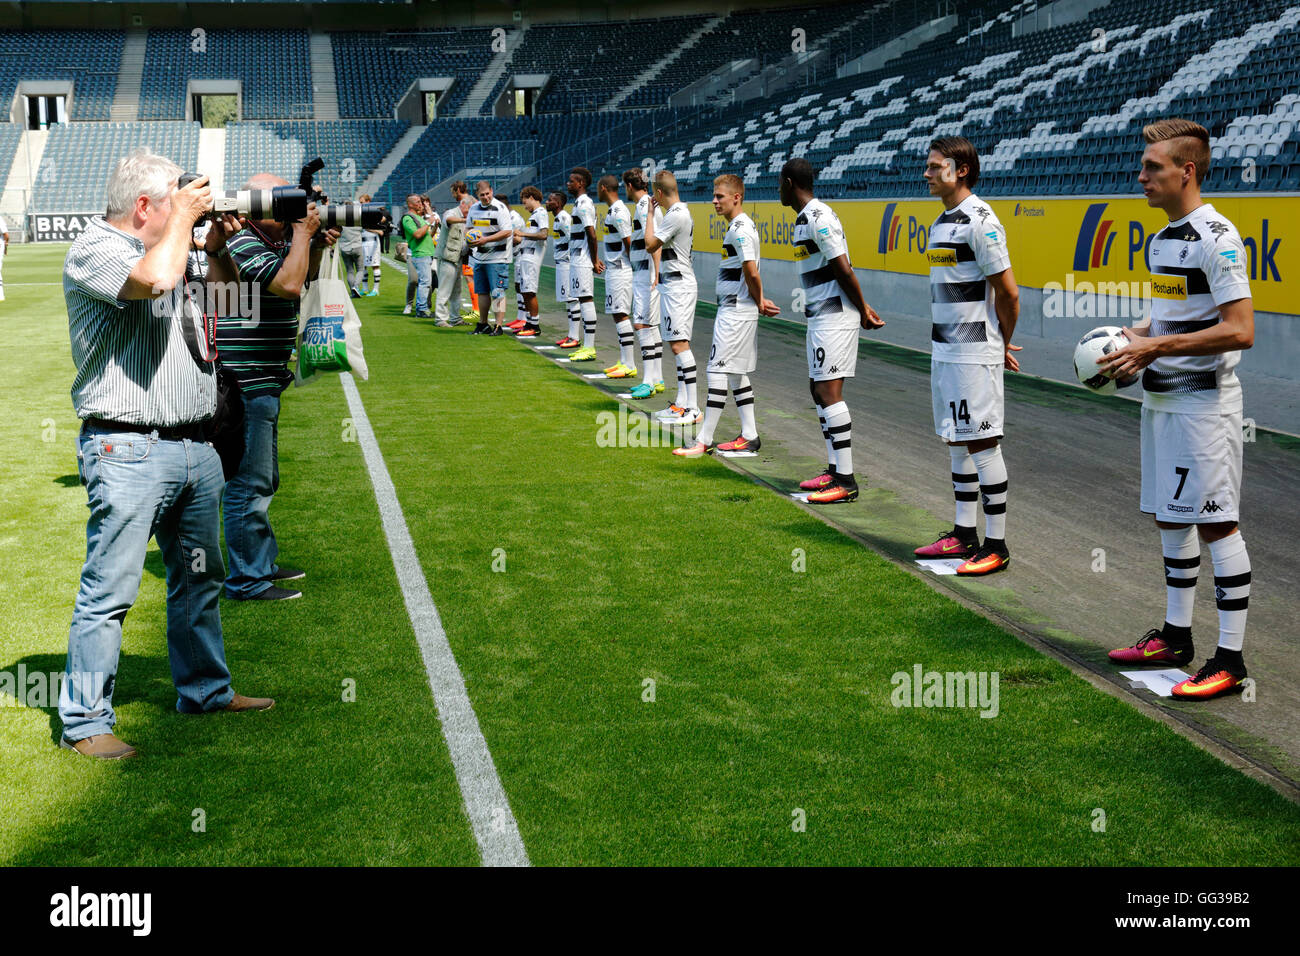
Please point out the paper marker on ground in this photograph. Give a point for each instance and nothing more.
(942, 565)
(1160, 683)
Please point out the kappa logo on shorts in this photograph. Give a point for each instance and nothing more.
(1211, 507)
(985, 426)
(832, 370)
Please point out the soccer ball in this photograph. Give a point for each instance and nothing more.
(474, 233)
(1100, 341)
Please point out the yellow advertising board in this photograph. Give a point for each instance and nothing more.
(1063, 241)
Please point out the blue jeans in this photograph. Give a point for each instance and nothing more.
(137, 486)
(424, 278)
(250, 542)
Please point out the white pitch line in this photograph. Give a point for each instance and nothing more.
(489, 813)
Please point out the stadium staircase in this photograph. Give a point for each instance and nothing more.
(487, 83)
(647, 76)
(324, 85)
(21, 172)
(126, 101)
(390, 161)
(212, 158)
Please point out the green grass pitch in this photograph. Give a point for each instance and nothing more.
(771, 700)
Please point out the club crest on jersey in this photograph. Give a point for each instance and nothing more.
(1168, 287)
(941, 257)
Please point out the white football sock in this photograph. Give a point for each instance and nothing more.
(743, 393)
(588, 325)
(839, 426)
(686, 362)
(993, 486)
(626, 356)
(1182, 553)
(1231, 588)
(965, 486)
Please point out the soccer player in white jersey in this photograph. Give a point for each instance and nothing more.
(835, 310)
(516, 250)
(618, 275)
(560, 226)
(1201, 318)
(677, 291)
(974, 305)
(734, 353)
(532, 237)
(584, 262)
(645, 291)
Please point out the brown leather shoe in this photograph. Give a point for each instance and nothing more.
(99, 746)
(240, 703)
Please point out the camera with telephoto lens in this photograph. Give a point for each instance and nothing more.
(289, 203)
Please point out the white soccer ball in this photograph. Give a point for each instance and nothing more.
(1100, 341)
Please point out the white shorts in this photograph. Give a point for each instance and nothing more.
(677, 311)
(1191, 466)
(618, 291)
(528, 272)
(967, 400)
(735, 344)
(832, 353)
(562, 281)
(645, 299)
(581, 280)
(370, 250)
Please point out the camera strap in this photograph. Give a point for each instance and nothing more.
(198, 328)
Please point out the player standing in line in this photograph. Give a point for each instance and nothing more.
(734, 353)
(516, 250)
(490, 254)
(584, 263)
(560, 232)
(645, 292)
(677, 293)
(618, 275)
(1201, 318)
(974, 304)
(532, 236)
(827, 277)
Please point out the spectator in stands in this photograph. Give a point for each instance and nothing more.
(450, 246)
(352, 248)
(276, 259)
(417, 231)
(144, 385)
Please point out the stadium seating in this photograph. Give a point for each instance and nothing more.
(1041, 107)
(78, 158)
(282, 147)
(271, 66)
(374, 70)
(89, 58)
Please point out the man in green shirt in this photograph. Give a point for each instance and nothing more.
(418, 234)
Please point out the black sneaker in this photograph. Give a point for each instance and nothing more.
(481, 329)
(424, 315)
(496, 330)
(288, 574)
(271, 593)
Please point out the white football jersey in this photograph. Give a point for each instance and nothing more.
(491, 218)
(516, 222)
(618, 226)
(1198, 263)
(584, 215)
(739, 245)
(676, 232)
(641, 260)
(967, 243)
(537, 220)
(560, 232)
(818, 239)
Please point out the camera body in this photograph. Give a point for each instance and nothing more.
(289, 203)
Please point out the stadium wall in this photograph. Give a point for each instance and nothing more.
(1079, 262)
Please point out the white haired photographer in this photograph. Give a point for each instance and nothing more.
(144, 388)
